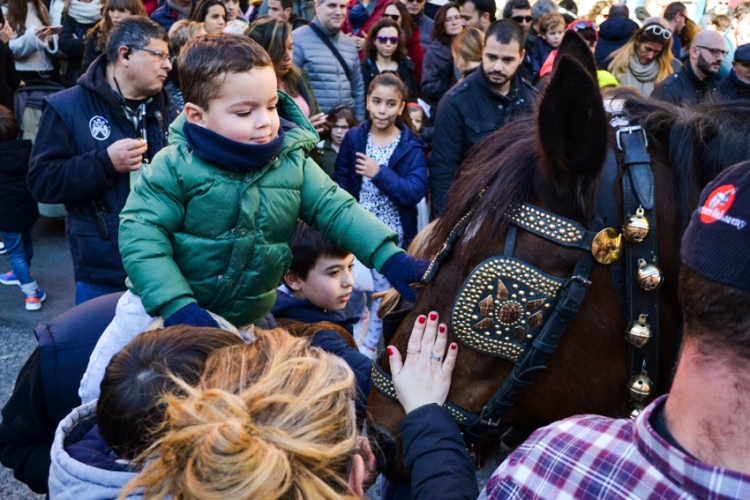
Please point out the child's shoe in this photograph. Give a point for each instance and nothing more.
(9, 278)
(34, 300)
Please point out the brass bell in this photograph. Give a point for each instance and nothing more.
(632, 409)
(636, 228)
(649, 276)
(639, 387)
(638, 333)
(607, 246)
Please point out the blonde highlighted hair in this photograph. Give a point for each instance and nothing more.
(621, 57)
(271, 420)
(468, 45)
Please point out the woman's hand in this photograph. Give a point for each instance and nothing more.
(6, 32)
(424, 377)
(319, 122)
(367, 166)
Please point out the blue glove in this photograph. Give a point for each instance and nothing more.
(401, 270)
(191, 315)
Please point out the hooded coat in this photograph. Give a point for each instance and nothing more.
(18, 209)
(194, 231)
(613, 34)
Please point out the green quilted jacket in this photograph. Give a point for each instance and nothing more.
(192, 231)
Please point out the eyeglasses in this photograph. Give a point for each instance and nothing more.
(382, 40)
(714, 52)
(659, 31)
(340, 127)
(395, 17)
(522, 19)
(161, 55)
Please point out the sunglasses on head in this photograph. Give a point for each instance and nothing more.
(521, 19)
(581, 25)
(382, 40)
(659, 31)
(395, 17)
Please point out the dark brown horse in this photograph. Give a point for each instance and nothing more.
(554, 160)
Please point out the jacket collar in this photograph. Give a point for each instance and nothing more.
(699, 84)
(738, 84)
(325, 30)
(515, 85)
(289, 306)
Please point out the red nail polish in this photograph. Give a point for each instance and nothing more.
(454, 347)
(390, 351)
(441, 328)
(421, 320)
(433, 316)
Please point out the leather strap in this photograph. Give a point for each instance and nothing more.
(326, 40)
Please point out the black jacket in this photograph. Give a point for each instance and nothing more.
(46, 389)
(435, 453)
(70, 165)
(73, 45)
(613, 34)
(732, 88)
(469, 112)
(9, 79)
(405, 72)
(18, 209)
(684, 88)
(438, 74)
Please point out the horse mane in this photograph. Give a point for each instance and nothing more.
(703, 140)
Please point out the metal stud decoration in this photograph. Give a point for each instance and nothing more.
(501, 307)
(561, 230)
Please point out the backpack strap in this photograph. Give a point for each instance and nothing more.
(309, 330)
(333, 50)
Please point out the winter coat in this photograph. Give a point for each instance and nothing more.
(375, 15)
(416, 54)
(732, 88)
(684, 88)
(9, 79)
(290, 307)
(613, 34)
(46, 389)
(193, 231)
(73, 45)
(438, 75)
(165, 16)
(327, 77)
(404, 180)
(426, 25)
(18, 209)
(325, 156)
(539, 53)
(435, 453)
(468, 113)
(83, 466)
(29, 52)
(70, 164)
(90, 51)
(405, 72)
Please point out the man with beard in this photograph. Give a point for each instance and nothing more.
(483, 102)
(696, 81)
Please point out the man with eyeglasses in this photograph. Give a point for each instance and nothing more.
(425, 23)
(92, 141)
(737, 85)
(483, 102)
(696, 81)
(477, 14)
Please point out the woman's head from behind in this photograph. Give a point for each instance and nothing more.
(182, 32)
(467, 50)
(385, 39)
(273, 419)
(448, 23)
(275, 36)
(213, 15)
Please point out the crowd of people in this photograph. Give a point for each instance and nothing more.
(226, 167)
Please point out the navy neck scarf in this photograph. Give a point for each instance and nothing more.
(228, 154)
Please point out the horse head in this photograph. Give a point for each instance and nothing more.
(554, 160)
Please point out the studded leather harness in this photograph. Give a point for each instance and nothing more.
(511, 310)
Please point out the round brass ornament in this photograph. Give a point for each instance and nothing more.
(632, 409)
(638, 333)
(639, 387)
(607, 246)
(649, 276)
(636, 228)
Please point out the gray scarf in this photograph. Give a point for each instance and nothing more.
(85, 13)
(641, 76)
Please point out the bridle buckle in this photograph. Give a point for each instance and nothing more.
(631, 129)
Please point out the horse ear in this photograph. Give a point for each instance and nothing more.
(573, 45)
(572, 124)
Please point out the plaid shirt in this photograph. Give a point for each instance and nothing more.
(596, 457)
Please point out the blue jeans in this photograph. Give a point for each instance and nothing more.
(20, 252)
(86, 290)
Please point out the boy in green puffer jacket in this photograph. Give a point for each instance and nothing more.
(207, 225)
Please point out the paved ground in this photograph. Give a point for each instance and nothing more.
(53, 269)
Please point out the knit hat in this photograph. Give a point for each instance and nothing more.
(717, 240)
(742, 54)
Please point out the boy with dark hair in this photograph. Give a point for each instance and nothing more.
(312, 299)
(207, 226)
(18, 210)
(551, 30)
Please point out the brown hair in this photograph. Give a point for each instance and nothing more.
(100, 32)
(19, 9)
(182, 32)
(342, 111)
(716, 316)
(9, 128)
(407, 23)
(688, 32)
(269, 420)
(622, 56)
(205, 61)
(597, 9)
(272, 34)
(721, 21)
(549, 22)
(130, 411)
(371, 50)
(468, 45)
(438, 32)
